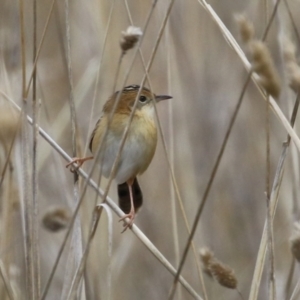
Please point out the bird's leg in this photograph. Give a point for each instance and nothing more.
(79, 161)
(131, 214)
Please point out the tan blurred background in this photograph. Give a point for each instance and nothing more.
(204, 75)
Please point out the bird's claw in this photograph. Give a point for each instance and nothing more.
(127, 224)
(79, 161)
(76, 160)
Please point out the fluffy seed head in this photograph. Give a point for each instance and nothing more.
(245, 27)
(263, 65)
(130, 37)
(217, 270)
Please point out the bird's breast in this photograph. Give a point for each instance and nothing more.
(142, 140)
(138, 149)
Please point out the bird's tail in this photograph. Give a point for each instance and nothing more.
(124, 196)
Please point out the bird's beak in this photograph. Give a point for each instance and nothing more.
(162, 97)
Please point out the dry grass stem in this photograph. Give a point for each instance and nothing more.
(272, 283)
(27, 201)
(23, 48)
(27, 207)
(35, 202)
(35, 134)
(271, 271)
(27, 88)
(75, 252)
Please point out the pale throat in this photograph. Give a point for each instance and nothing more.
(145, 121)
(147, 112)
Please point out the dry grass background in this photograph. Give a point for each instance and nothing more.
(195, 64)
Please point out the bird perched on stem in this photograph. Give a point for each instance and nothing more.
(139, 146)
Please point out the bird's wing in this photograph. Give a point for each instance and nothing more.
(94, 132)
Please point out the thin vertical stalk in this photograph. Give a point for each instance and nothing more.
(76, 241)
(271, 281)
(27, 206)
(118, 71)
(27, 201)
(171, 158)
(23, 50)
(35, 109)
(27, 88)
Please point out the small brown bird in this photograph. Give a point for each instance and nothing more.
(138, 149)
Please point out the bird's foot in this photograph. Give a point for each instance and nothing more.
(79, 162)
(128, 224)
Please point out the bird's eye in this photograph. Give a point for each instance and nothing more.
(143, 99)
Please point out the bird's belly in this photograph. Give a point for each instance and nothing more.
(136, 155)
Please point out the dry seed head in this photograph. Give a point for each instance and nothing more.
(56, 219)
(295, 242)
(130, 37)
(206, 256)
(223, 274)
(292, 67)
(220, 272)
(246, 28)
(263, 65)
